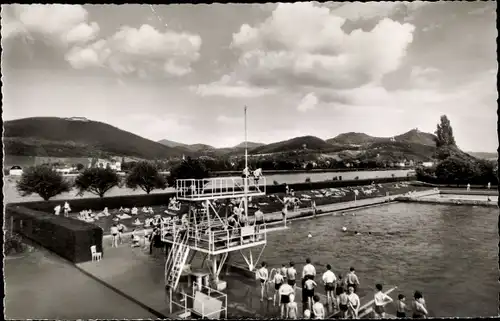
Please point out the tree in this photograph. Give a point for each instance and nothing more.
(188, 169)
(97, 181)
(79, 167)
(444, 133)
(456, 170)
(42, 180)
(146, 176)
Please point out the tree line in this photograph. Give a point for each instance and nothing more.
(45, 181)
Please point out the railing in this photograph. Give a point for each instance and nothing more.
(206, 237)
(218, 187)
(183, 304)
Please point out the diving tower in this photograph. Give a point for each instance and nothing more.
(216, 224)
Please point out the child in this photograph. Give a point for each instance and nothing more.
(401, 307)
(284, 272)
(343, 301)
(309, 286)
(135, 238)
(318, 309)
(380, 300)
(292, 308)
(278, 281)
(262, 275)
(307, 314)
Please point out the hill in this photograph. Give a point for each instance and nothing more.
(298, 143)
(417, 137)
(484, 155)
(58, 137)
(353, 138)
(250, 145)
(170, 143)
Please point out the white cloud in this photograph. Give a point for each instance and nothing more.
(63, 24)
(317, 51)
(371, 10)
(154, 127)
(229, 120)
(308, 103)
(142, 50)
(227, 88)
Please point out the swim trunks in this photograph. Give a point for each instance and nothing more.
(400, 315)
(329, 286)
(262, 281)
(308, 293)
(343, 307)
(379, 309)
(291, 282)
(285, 299)
(277, 286)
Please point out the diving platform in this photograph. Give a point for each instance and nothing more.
(217, 239)
(219, 188)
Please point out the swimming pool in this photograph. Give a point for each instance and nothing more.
(443, 251)
(458, 197)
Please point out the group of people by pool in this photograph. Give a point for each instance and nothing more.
(340, 293)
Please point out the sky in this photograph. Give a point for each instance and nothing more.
(185, 72)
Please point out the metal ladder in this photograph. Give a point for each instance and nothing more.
(176, 260)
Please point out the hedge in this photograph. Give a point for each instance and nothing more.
(69, 238)
(98, 204)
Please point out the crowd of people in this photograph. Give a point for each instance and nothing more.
(280, 286)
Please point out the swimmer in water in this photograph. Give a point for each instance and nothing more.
(309, 235)
(344, 229)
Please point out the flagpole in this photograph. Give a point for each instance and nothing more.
(246, 166)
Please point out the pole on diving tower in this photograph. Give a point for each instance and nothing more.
(246, 167)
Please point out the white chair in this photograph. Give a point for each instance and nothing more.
(96, 256)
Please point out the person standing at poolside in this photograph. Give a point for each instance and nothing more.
(291, 275)
(283, 272)
(418, 306)
(401, 307)
(285, 292)
(121, 229)
(278, 282)
(380, 299)
(352, 279)
(353, 303)
(308, 270)
(292, 308)
(313, 206)
(308, 292)
(343, 302)
(263, 277)
(318, 309)
(329, 281)
(114, 235)
(489, 185)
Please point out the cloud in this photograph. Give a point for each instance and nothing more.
(355, 11)
(62, 24)
(308, 103)
(228, 88)
(154, 127)
(141, 51)
(317, 52)
(229, 120)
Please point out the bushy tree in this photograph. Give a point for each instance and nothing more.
(188, 169)
(455, 170)
(79, 167)
(42, 180)
(444, 133)
(97, 181)
(146, 176)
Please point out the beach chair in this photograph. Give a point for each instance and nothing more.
(96, 256)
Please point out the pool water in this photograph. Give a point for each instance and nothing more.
(449, 253)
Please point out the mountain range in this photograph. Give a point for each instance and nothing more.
(71, 137)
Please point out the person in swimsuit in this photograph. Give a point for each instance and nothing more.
(292, 308)
(380, 300)
(343, 301)
(278, 282)
(401, 307)
(284, 272)
(352, 279)
(309, 286)
(418, 306)
(262, 276)
(329, 280)
(114, 234)
(318, 310)
(121, 229)
(307, 314)
(353, 302)
(285, 292)
(291, 275)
